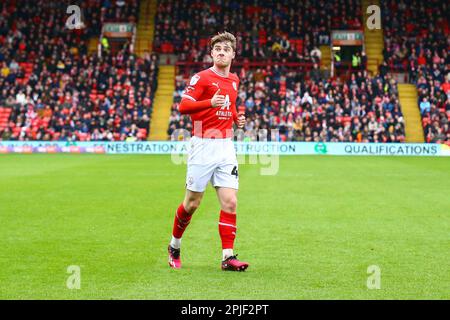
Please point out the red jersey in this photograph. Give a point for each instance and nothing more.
(203, 86)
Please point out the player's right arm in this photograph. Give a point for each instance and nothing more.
(189, 102)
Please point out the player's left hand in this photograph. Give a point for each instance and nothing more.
(241, 121)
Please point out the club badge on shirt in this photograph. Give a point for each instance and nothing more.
(194, 80)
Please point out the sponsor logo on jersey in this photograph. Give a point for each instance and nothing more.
(227, 103)
(224, 115)
(234, 85)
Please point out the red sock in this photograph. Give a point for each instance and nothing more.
(227, 229)
(181, 221)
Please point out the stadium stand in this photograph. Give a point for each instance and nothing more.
(98, 12)
(417, 43)
(52, 89)
(264, 29)
(56, 91)
(362, 109)
(287, 91)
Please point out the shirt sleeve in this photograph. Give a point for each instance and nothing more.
(195, 88)
(188, 106)
(234, 108)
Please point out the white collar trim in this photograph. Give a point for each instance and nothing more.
(217, 72)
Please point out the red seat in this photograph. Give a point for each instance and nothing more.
(82, 136)
(203, 42)
(56, 136)
(425, 121)
(347, 119)
(167, 47)
(297, 44)
(142, 134)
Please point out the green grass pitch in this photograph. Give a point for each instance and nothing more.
(309, 232)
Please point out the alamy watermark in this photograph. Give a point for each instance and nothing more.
(74, 280)
(374, 279)
(374, 20)
(74, 21)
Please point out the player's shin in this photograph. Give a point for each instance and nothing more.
(181, 221)
(227, 231)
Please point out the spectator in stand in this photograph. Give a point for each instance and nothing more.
(316, 55)
(425, 106)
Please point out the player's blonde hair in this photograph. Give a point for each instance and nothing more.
(224, 36)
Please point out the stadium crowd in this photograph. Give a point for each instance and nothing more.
(98, 12)
(311, 108)
(362, 109)
(265, 30)
(303, 107)
(417, 39)
(56, 90)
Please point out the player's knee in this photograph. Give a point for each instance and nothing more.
(192, 205)
(230, 204)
